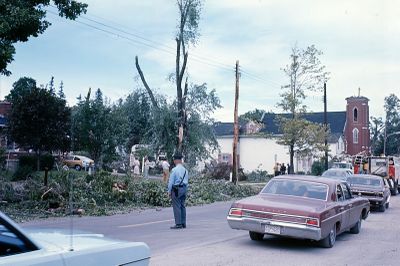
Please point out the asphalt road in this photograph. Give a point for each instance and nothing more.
(208, 240)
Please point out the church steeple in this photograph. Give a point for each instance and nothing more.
(356, 130)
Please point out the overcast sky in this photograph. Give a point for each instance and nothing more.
(359, 39)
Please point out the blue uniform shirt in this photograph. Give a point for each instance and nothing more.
(176, 176)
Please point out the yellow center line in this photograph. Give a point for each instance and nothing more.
(143, 224)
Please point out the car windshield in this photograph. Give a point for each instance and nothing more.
(297, 188)
(364, 181)
(334, 173)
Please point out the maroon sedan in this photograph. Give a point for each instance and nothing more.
(305, 207)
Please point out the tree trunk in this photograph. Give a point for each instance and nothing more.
(38, 160)
(291, 150)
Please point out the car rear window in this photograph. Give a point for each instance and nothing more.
(364, 181)
(297, 188)
(335, 173)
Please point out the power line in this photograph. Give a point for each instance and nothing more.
(158, 45)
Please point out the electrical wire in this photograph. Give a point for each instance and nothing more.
(140, 40)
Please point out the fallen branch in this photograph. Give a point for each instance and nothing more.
(45, 193)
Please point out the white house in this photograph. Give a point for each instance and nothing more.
(260, 150)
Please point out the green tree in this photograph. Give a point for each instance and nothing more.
(137, 109)
(392, 124)
(21, 19)
(305, 73)
(21, 87)
(376, 127)
(39, 119)
(96, 128)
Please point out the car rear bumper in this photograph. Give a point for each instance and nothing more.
(286, 229)
(374, 201)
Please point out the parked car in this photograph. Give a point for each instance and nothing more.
(374, 188)
(45, 248)
(342, 165)
(338, 173)
(302, 207)
(78, 162)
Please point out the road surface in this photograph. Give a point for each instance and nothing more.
(208, 240)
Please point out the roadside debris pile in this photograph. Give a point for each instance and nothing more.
(103, 194)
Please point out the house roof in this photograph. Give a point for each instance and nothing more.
(336, 121)
(226, 128)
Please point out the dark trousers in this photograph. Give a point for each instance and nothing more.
(178, 205)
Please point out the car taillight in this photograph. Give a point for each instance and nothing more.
(236, 212)
(312, 222)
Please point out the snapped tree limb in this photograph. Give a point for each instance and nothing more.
(149, 91)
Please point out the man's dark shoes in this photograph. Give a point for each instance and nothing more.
(183, 225)
(178, 226)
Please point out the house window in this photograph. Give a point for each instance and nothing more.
(355, 115)
(355, 135)
(225, 158)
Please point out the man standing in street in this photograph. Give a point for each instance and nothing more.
(177, 189)
(165, 166)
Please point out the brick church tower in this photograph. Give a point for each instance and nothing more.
(356, 129)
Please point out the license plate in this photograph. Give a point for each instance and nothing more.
(272, 229)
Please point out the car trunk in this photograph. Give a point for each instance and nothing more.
(280, 207)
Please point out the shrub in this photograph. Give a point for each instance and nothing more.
(28, 165)
(317, 168)
(258, 176)
(223, 171)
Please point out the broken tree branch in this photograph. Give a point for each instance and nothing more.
(149, 91)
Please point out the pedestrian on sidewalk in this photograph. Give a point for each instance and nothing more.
(165, 166)
(283, 169)
(177, 190)
(136, 167)
(146, 167)
(276, 169)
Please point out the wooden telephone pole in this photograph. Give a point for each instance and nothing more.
(326, 129)
(235, 167)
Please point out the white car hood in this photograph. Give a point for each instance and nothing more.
(56, 240)
(109, 251)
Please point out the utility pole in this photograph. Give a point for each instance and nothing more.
(326, 127)
(235, 167)
(384, 140)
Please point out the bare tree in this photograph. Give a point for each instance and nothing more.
(187, 33)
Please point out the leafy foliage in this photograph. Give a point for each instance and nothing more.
(21, 19)
(39, 119)
(258, 176)
(309, 137)
(97, 195)
(317, 168)
(96, 127)
(391, 125)
(162, 124)
(254, 116)
(376, 125)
